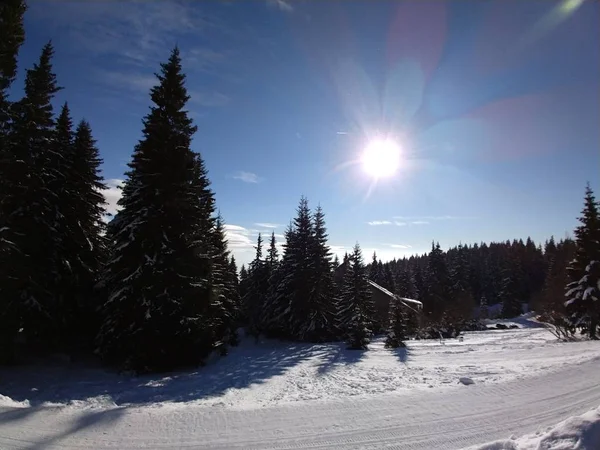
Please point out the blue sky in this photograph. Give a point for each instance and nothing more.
(494, 104)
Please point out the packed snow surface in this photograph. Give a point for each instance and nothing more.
(281, 395)
(575, 433)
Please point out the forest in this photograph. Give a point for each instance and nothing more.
(156, 288)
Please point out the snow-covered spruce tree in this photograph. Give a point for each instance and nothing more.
(162, 310)
(269, 306)
(225, 290)
(29, 261)
(293, 292)
(234, 285)
(254, 298)
(85, 244)
(12, 36)
(319, 325)
(356, 309)
(583, 308)
(438, 284)
(398, 325)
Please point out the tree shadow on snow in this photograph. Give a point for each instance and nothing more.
(102, 417)
(340, 355)
(401, 353)
(245, 365)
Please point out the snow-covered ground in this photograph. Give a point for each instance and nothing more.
(575, 433)
(446, 395)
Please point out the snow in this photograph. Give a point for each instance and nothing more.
(575, 433)
(286, 395)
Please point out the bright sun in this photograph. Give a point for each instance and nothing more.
(381, 158)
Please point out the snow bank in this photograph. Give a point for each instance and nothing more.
(575, 433)
(9, 402)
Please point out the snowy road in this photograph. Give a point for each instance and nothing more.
(438, 418)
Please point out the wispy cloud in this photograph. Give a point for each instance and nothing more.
(238, 238)
(267, 225)
(112, 194)
(417, 218)
(208, 98)
(341, 132)
(283, 5)
(400, 224)
(404, 246)
(419, 222)
(247, 177)
(379, 222)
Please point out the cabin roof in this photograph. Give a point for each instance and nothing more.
(406, 301)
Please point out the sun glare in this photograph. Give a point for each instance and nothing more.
(381, 158)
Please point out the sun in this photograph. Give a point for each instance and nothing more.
(381, 158)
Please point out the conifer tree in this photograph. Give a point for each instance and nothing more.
(294, 290)
(223, 287)
(29, 259)
(356, 309)
(269, 306)
(12, 36)
(320, 322)
(438, 286)
(254, 299)
(162, 310)
(398, 325)
(583, 270)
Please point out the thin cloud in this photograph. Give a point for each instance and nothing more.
(420, 222)
(379, 222)
(282, 5)
(400, 224)
(238, 238)
(267, 225)
(404, 246)
(247, 177)
(208, 98)
(447, 217)
(341, 132)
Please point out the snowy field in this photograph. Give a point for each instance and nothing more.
(447, 395)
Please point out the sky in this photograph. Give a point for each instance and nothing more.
(494, 105)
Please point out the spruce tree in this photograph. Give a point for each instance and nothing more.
(29, 259)
(582, 307)
(438, 284)
(398, 325)
(87, 205)
(254, 298)
(12, 36)
(356, 309)
(162, 310)
(269, 306)
(294, 290)
(320, 322)
(223, 287)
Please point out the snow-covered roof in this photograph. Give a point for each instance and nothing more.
(415, 303)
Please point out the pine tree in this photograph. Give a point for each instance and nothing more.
(398, 325)
(269, 306)
(356, 309)
(29, 258)
(293, 310)
(255, 296)
(438, 285)
(320, 323)
(162, 311)
(583, 307)
(234, 283)
(225, 290)
(12, 36)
